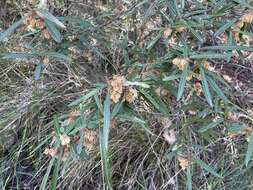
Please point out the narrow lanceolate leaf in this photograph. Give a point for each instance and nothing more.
(44, 14)
(104, 141)
(20, 55)
(154, 41)
(217, 90)
(228, 47)
(211, 125)
(182, 82)
(195, 33)
(205, 87)
(154, 100)
(38, 71)
(189, 178)
(4, 35)
(206, 167)
(249, 150)
(84, 98)
(46, 176)
(54, 32)
(223, 28)
(56, 55)
(171, 77)
(55, 175)
(208, 55)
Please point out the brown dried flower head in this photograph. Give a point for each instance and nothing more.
(232, 116)
(198, 88)
(116, 87)
(192, 112)
(197, 76)
(179, 62)
(131, 95)
(248, 18)
(65, 140)
(46, 34)
(189, 77)
(167, 32)
(46, 60)
(50, 151)
(90, 138)
(183, 162)
(72, 117)
(227, 78)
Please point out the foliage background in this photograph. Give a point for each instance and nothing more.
(212, 132)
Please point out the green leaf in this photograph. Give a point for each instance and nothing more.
(154, 41)
(93, 49)
(236, 128)
(243, 3)
(189, 178)
(136, 83)
(205, 87)
(154, 100)
(249, 150)
(4, 35)
(104, 141)
(182, 82)
(54, 32)
(171, 77)
(38, 71)
(85, 97)
(45, 178)
(194, 32)
(56, 55)
(44, 14)
(55, 174)
(19, 55)
(132, 118)
(117, 108)
(98, 102)
(209, 55)
(216, 88)
(228, 47)
(223, 28)
(211, 125)
(203, 165)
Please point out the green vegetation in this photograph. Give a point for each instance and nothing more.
(126, 94)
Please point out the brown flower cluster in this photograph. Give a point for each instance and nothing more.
(72, 117)
(117, 90)
(167, 32)
(32, 23)
(245, 19)
(90, 138)
(116, 87)
(179, 62)
(50, 151)
(183, 162)
(207, 66)
(131, 94)
(197, 88)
